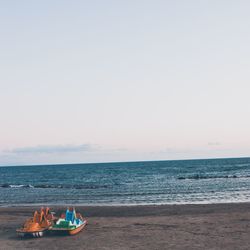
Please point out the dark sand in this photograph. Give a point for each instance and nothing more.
(222, 226)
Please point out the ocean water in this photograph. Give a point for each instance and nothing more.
(156, 182)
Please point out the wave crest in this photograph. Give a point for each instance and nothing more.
(77, 186)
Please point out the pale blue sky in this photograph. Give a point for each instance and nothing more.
(94, 81)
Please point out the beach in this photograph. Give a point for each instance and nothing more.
(209, 226)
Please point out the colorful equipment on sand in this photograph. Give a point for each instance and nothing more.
(70, 223)
(38, 224)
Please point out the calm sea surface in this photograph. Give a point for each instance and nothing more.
(158, 182)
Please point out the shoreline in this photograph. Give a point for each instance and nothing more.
(121, 205)
(193, 226)
(144, 210)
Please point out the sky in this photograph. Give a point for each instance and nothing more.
(100, 81)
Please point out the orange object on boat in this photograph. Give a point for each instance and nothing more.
(38, 224)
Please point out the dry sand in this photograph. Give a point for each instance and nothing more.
(217, 226)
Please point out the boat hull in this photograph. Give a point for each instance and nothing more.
(35, 234)
(69, 231)
(77, 230)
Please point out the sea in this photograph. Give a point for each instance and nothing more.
(127, 183)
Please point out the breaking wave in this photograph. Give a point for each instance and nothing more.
(75, 186)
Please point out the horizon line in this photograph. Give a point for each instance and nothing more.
(114, 162)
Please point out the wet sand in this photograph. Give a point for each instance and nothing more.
(215, 226)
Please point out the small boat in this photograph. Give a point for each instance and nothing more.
(37, 225)
(70, 223)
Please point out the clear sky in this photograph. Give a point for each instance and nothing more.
(94, 81)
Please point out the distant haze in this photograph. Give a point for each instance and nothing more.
(94, 81)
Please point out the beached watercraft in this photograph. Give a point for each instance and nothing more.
(38, 224)
(70, 223)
